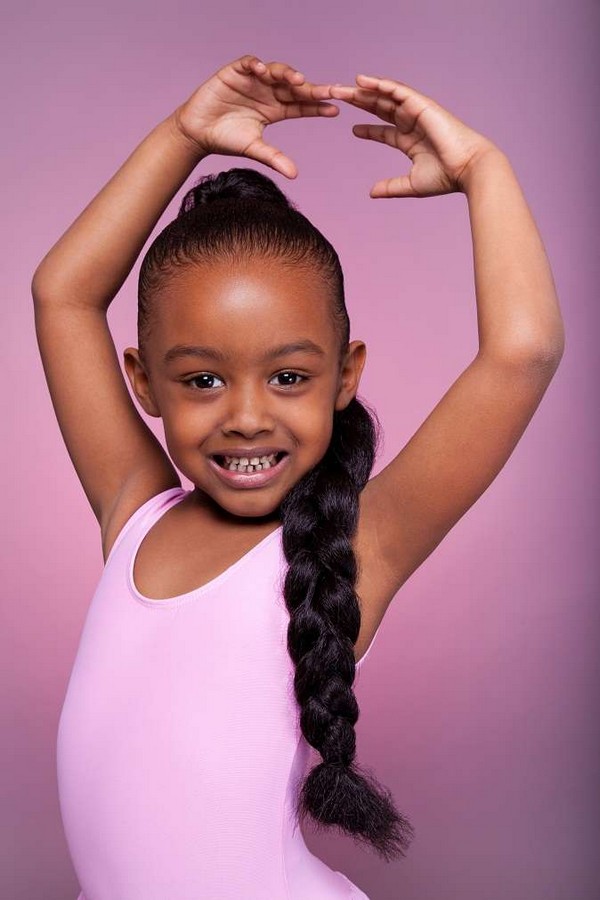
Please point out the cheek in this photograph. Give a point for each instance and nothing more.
(314, 429)
(185, 422)
(309, 419)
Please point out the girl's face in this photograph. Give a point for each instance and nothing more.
(214, 376)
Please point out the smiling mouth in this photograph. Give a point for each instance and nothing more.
(249, 464)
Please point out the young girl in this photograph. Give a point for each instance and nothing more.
(224, 635)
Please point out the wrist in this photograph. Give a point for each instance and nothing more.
(182, 137)
(490, 157)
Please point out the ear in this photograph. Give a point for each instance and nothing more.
(350, 373)
(140, 382)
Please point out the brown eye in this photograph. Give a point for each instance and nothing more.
(287, 374)
(202, 378)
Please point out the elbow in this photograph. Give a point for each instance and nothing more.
(36, 286)
(546, 356)
(540, 355)
(41, 286)
(544, 350)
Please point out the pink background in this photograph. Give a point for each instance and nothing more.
(479, 704)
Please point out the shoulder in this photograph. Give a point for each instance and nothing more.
(135, 494)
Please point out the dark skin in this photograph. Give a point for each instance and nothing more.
(244, 401)
(208, 405)
(460, 447)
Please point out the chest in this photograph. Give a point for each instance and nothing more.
(176, 560)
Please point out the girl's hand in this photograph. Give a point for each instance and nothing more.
(228, 113)
(442, 149)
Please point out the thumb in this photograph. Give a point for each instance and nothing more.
(399, 186)
(271, 156)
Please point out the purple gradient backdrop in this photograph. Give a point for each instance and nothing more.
(479, 704)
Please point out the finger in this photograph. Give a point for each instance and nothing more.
(399, 186)
(328, 110)
(274, 73)
(411, 103)
(398, 90)
(284, 77)
(371, 101)
(270, 156)
(385, 134)
(279, 71)
(305, 91)
(249, 65)
(352, 92)
(296, 110)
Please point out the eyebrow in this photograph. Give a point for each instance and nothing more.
(183, 350)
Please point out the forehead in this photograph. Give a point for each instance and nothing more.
(244, 309)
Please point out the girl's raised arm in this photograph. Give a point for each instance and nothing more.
(114, 452)
(466, 440)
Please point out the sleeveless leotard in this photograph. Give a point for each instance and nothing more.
(179, 752)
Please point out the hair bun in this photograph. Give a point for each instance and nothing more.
(233, 185)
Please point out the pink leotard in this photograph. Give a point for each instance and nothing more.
(179, 751)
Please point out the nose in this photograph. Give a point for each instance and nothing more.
(248, 411)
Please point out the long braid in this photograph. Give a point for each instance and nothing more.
(242, 212)
(319, 518)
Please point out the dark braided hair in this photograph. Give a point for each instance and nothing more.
(242, 213)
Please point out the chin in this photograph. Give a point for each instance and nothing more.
(245, 506)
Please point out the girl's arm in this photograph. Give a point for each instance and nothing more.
(89, 263)
(518, 315)
(468, 437)
(109, 443)
(114, 453)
